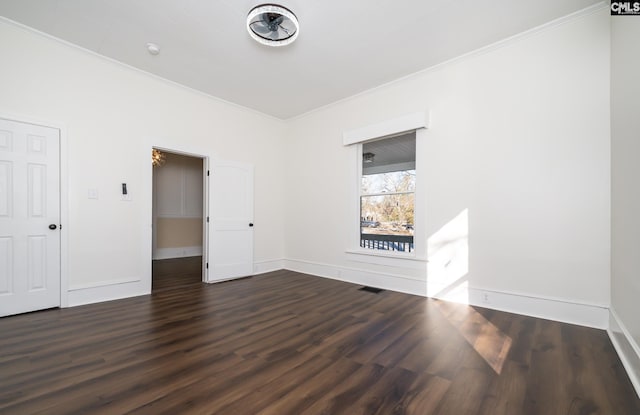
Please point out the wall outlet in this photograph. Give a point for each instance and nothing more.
(486, 298)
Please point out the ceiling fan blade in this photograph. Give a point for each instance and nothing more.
(285, 30)
(260, 27)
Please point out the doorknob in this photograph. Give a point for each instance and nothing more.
(251, 225)
(53, 227)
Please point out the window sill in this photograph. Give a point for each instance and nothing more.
(396, 259)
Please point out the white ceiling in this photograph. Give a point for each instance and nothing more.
(345, 46)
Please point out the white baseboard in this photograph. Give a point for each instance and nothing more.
(391, 282)
(106, 291)
(260, 267)
(97, 292)
(627, 348)
(179, 252)
(588, 315)
(551, 309)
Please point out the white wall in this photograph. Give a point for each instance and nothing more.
(112, 116)
(518, 148)
(625, 193)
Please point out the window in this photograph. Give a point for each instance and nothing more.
(387, 193)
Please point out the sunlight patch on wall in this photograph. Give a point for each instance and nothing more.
(448, 255)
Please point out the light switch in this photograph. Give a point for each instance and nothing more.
(92, 193)
(125, 194)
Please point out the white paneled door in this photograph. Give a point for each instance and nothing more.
(231, 247)
(29, 217)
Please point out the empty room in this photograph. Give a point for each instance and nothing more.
(319, 207)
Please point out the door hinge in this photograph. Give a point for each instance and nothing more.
(60, 226)
(207, 172)
(207, 219)
(207, 265)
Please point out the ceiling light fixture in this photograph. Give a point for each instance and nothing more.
(272, 25)
(157, 157)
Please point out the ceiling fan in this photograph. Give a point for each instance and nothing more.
(272, 25)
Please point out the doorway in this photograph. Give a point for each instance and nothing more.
(179, 219)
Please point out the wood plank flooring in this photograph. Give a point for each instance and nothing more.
(288, 343)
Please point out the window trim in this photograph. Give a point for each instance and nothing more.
(418, 122)
(397, 259)
(388, 128)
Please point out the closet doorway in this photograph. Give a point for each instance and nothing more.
(180, 187)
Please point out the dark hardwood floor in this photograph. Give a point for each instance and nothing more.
(287, 343)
